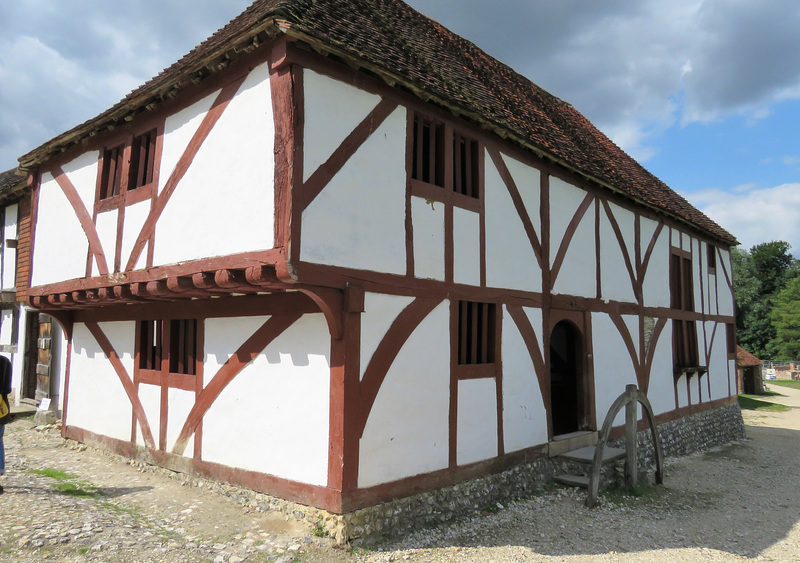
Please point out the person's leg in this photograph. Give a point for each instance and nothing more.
(2, 454)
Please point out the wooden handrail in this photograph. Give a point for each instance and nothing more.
(629, 399)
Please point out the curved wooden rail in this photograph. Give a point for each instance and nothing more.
(629, 399)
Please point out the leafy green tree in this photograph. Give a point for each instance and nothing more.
(786, 320)
(757, 277)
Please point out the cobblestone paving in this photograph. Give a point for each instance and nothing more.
(740, 502)
(66, 502)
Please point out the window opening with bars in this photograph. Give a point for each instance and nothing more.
(429, 159)
(476, 333)
(684, 335)
(178, 337)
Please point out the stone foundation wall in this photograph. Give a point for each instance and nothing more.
(681, 437)
(693, 433)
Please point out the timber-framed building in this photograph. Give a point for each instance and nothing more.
(341, 255)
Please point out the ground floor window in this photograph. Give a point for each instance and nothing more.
(170, 344)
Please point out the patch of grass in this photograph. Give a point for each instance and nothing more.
(83, 550)
(753, 403)
(56, 474)
(490, 509)
(619, 494)
(319, 530)
(785, 383)
(68, 484)
(75, 489)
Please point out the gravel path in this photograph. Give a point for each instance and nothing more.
(737, 503)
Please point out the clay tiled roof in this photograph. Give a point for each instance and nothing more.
(745, 358)
(10, 185)
(391, 39)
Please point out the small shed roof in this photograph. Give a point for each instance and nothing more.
(11, 185)
(745, 358)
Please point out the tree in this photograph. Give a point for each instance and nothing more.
(786, 320)
(758, 275)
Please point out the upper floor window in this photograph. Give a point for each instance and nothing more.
(428, 152)
(128, 166)
(684, 331)
(446, 158)
(111, 172)
(712, 258)
(143, 151)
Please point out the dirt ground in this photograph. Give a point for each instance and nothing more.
(736, 503)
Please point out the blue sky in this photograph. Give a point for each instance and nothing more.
(705, 93)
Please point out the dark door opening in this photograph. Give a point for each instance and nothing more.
(566, 379)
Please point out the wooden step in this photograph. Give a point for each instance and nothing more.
(586, 455)
(572, 480)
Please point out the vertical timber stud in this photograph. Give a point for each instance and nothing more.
(343, 452)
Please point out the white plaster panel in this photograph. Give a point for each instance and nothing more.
(58, 253)
(694, 390)
(106, 226)
(615, 280)
(97, 399)
(122, 337)
(732, 377)
(564, 202)
(718, 363)
(697, 271)
(529, 183)
(428, 227)
(6, 326)
(9, 254)
(524, 414)
(725, 293)
(466, 247)
(358, 220)
(510, 260)
(661, 389)
(535, 318)
(656, 279)
(477, 420)
(380, 311)
(408, 431)
(332, 110)
(135, 217)
(683, 393)
(82, 173)
(675, 238)
(577, 275)
(613, 368)
(224, 203)
(180, 403)
(179, 129)
(712, 294)
(284, 393)
(150, 397)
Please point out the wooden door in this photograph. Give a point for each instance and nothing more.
(36, 380)
(43, 358)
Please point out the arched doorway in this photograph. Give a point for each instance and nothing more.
(567, 404)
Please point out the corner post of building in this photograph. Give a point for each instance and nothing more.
(345, 377)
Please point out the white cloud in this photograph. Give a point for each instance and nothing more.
(755, 215)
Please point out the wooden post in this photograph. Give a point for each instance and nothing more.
(631, 449)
